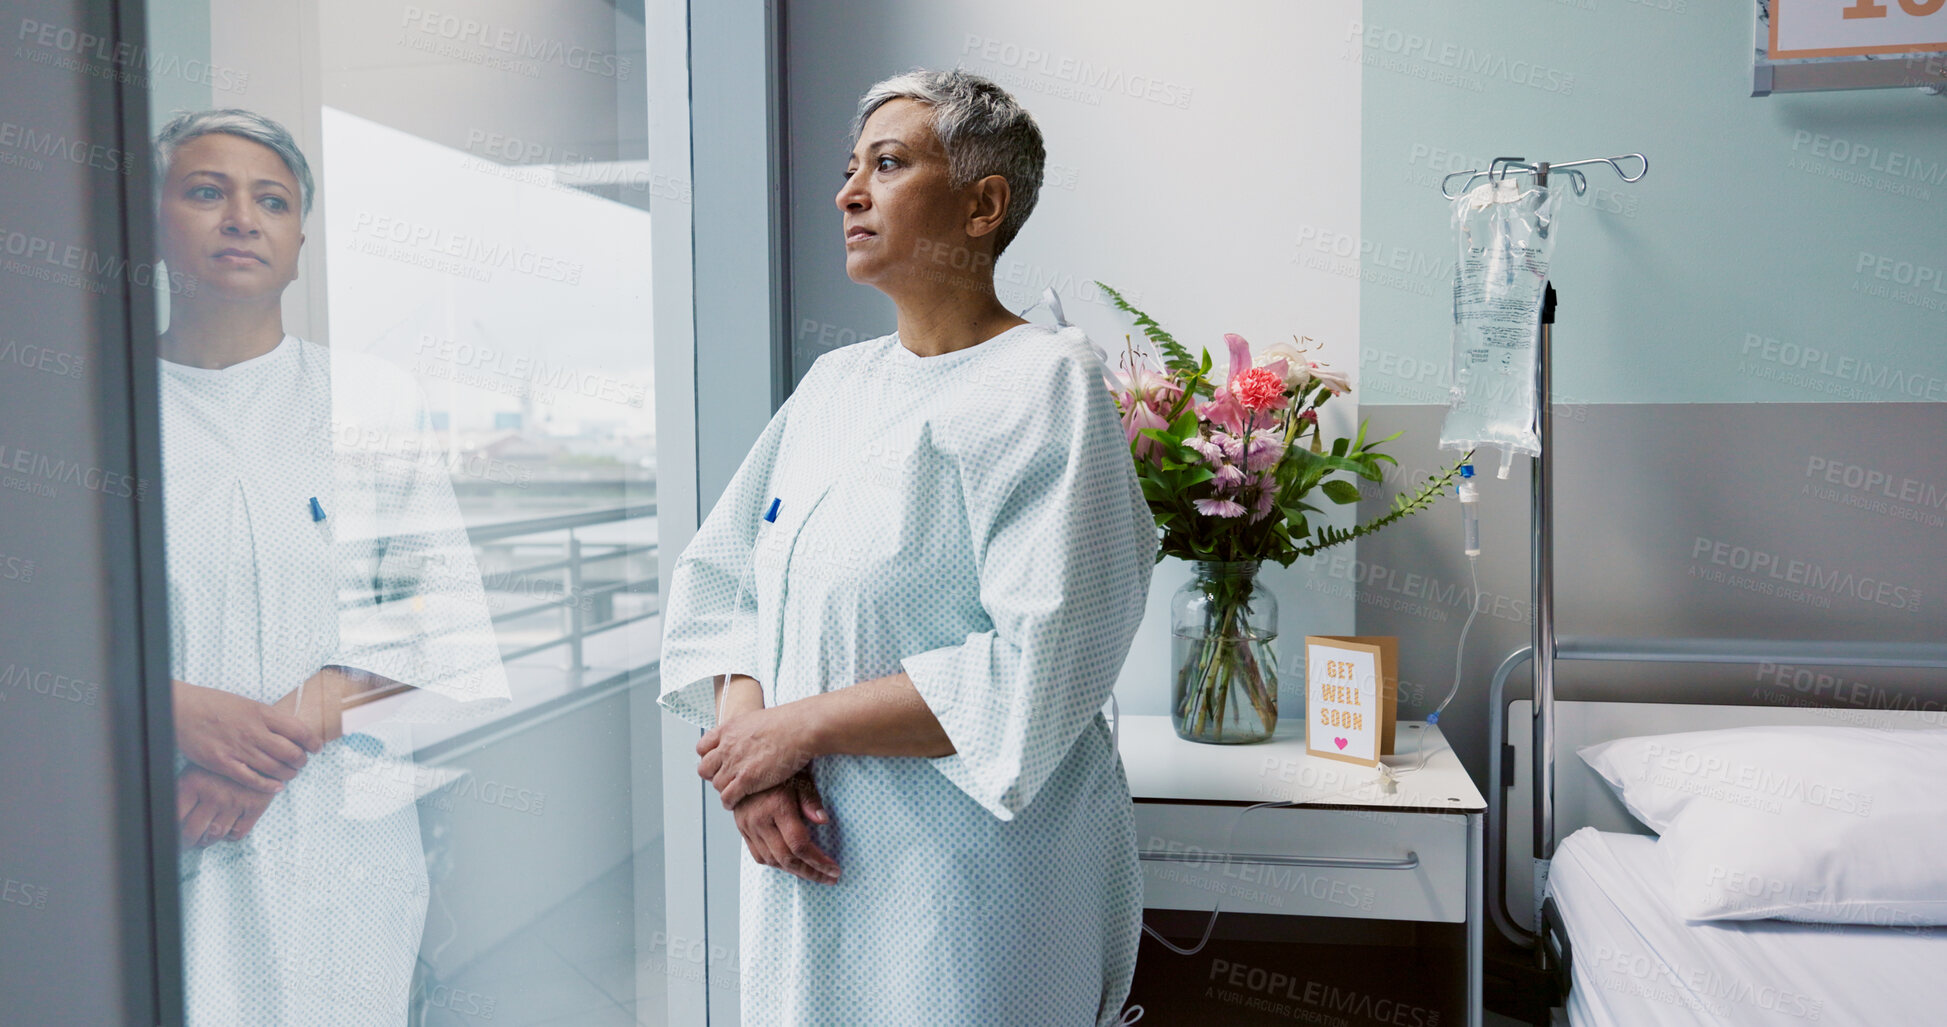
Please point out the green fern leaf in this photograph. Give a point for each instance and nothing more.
(1175, 357)
(1403, 507)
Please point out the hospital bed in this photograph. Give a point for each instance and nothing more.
(1602, 911)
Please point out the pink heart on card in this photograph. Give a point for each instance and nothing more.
(1340, 742)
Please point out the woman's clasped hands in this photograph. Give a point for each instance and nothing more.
(757, 761)
(242, 752)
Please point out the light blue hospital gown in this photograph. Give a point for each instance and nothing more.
(974, 519)
(314, 918)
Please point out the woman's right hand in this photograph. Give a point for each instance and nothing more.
(248, 742)
(773, 825)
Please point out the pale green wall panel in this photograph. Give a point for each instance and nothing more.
(1791, 248)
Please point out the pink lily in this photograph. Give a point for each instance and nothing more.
(1149, 396)
(1224, 407)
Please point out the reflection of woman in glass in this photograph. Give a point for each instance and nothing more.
(913, 600)
(302, 571)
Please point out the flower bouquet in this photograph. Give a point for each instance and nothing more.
(1228, 468)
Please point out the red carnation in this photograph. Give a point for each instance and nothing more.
(1260, 388)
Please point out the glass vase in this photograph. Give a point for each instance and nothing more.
(1223, 623)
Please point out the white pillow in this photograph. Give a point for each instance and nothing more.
(1843, 825)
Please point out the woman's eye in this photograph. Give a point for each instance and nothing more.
(883, 160)
(276, 203)
(204, 192)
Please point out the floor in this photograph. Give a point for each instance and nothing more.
(576, 966)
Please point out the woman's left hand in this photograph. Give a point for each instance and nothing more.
(753, 751)
(211, 808)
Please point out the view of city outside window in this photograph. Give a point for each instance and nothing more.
(409, 470)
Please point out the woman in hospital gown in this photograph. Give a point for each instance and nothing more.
(965, 526)
(309, 541)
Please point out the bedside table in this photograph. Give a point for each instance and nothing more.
(1349, 848)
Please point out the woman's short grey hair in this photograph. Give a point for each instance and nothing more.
(983, 130)
(241, 123)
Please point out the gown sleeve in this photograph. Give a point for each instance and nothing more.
(1064, 546)
(423, 619)
(710, 609)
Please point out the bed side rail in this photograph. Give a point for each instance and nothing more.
(1557, 955)
(1500, 768)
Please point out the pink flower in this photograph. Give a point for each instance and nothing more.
(1232, 446)
(1224, 410)
(1148, 385)
(1150, 394)
(1213, 454)
(1219, 507)
(1224, 407)
(1266, 501)
(1260, 388)
(1228, 478)
(1263, 450)
(1240, 356)
(1141, 416)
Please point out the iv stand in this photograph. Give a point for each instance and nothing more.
(1542, 516)
(1542, 506)
(1501, 167)
(1541, 500)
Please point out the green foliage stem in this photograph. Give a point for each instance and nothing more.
(1403, 506)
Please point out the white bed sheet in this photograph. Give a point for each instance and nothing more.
(1635, 961)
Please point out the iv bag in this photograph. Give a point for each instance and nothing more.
(1505, 234)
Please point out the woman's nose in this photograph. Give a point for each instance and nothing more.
(241, 218)
(851, 196)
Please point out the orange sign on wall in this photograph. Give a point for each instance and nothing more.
(1856, 28)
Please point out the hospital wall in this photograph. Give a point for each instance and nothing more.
(1750, 353)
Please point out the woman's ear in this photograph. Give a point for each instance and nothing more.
(991, 196)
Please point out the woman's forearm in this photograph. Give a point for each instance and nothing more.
(881, 717)
(737, 693)
(321, 700)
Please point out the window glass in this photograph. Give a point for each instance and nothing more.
(409, 458)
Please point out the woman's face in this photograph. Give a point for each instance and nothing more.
(229, 218)
(902, 220)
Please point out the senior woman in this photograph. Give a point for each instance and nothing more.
(900, 623)
(312, 555)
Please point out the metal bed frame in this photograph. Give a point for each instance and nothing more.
(1923, 655)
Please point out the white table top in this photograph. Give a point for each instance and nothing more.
(1164, 768)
